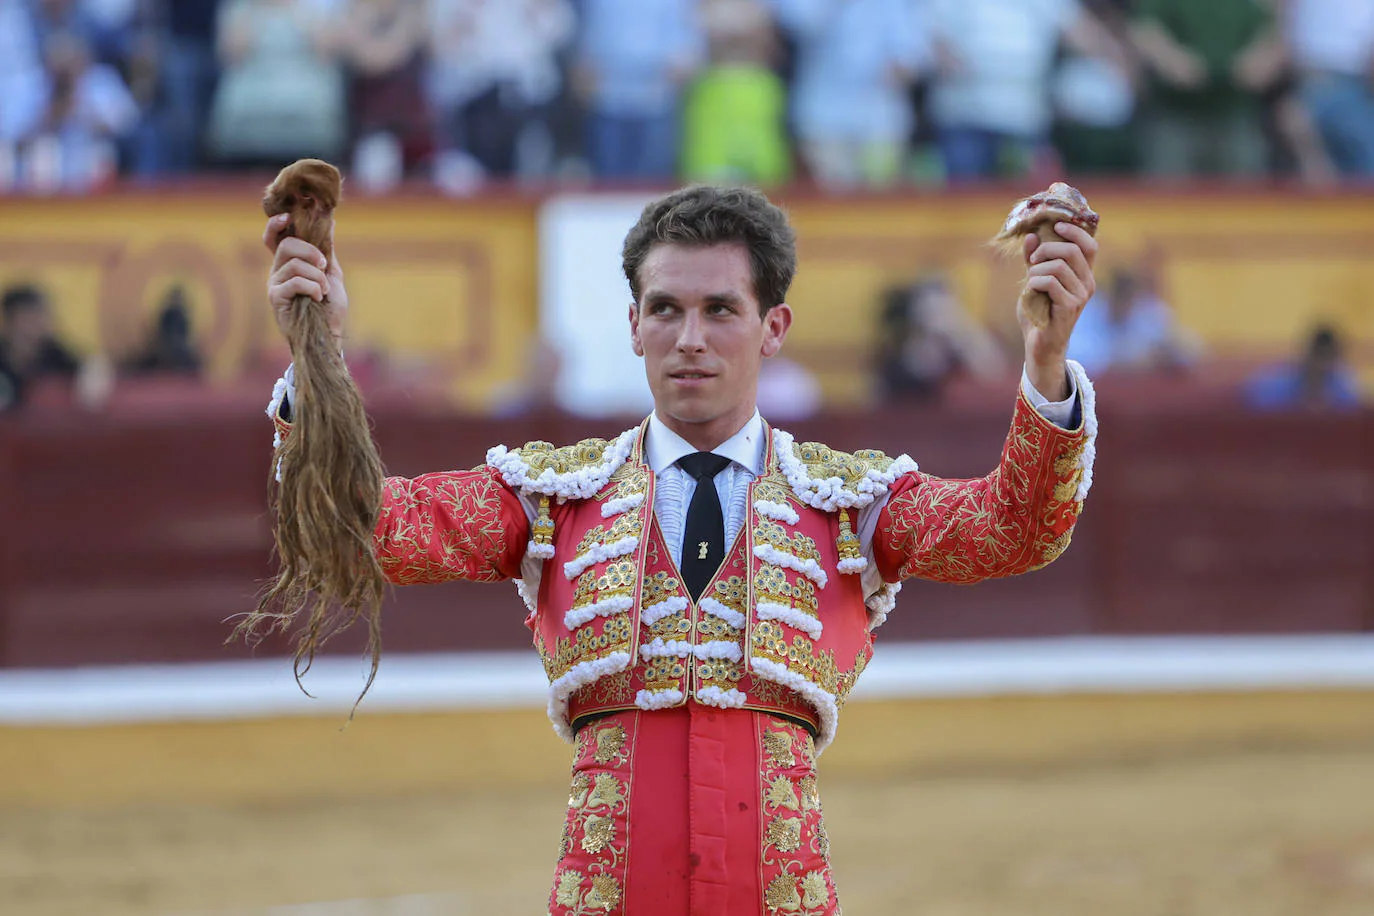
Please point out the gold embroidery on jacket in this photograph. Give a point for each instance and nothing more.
(542, 456)
(800, 656)
(441, 528)
(595, 535)
(851, 677)
(1012, 521)
(588, 645)
(823, 462)
(773, 534)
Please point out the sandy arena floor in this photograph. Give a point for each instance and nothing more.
(1144, 806)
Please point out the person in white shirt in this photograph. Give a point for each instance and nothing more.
(1331, 43)
(990, 94)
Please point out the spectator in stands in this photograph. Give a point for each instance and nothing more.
(24, 86)
(29, 349)
(788, 391)
(384, 43)
(1332, 46)
(70, 17)
(1094, 100)
(281, 91)
(535, 392)
(169, 349)
(1211, 65)
(926, 339)
(735, 116)
(1318, 378)
(855, 60)
(1127, 325)
(182, 36)
(633, 59)
(494, 73)
(90, 111)
(990, 94)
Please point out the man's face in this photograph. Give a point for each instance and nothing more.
(698, 327)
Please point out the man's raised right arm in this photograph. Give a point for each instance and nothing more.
(434, 528)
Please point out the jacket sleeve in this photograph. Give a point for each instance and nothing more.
(1018, 518)
(451, 525)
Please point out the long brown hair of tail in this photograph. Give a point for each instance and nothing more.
(330, 475)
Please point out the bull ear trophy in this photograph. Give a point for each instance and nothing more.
(1037, 214)
(327, 476)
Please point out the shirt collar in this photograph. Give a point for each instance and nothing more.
(663, 447)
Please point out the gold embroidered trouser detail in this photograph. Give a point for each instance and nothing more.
(795, 855)
(593, 857)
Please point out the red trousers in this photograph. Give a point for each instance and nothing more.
(693, 810)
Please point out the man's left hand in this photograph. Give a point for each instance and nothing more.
(1063, 270)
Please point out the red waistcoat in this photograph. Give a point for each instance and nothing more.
(780, 628)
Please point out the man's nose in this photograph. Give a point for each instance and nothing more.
(692, 337)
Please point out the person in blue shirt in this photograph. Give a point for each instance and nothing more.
(1319, 378)
(633, 59)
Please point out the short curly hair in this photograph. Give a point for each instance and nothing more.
(707, 215)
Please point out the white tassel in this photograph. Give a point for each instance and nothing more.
(527, 595)
(716, 649)
(809, 568)
(579, 676)
(1088, 404)
(822, 701)
(800, 620)
(661, 648)
(660, 609)
(600, 553)
(724, 699)
(852, 565)
(830, 494)
(604, 608)
(583, 483)
(658, 699)
(612, 507)
(881, 603)
(778, 512)
(713, 607)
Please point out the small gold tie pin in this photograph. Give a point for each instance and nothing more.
(701, 553)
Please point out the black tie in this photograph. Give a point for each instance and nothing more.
(703, 543)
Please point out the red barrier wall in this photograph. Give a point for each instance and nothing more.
(134, 535)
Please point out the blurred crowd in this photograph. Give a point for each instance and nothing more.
(848, 93)
(928, 341)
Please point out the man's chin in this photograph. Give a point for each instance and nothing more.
(688, 411)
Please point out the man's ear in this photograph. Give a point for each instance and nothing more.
(775, 325)
(635, 343)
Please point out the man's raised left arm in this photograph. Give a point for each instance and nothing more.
(1021, 516)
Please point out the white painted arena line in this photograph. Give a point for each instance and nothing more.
(409, 905)
(435, 682)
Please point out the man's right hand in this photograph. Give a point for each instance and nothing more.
(300, 269)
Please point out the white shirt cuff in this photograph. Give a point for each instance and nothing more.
(1060, 413)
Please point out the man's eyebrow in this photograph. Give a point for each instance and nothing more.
(729, 297)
